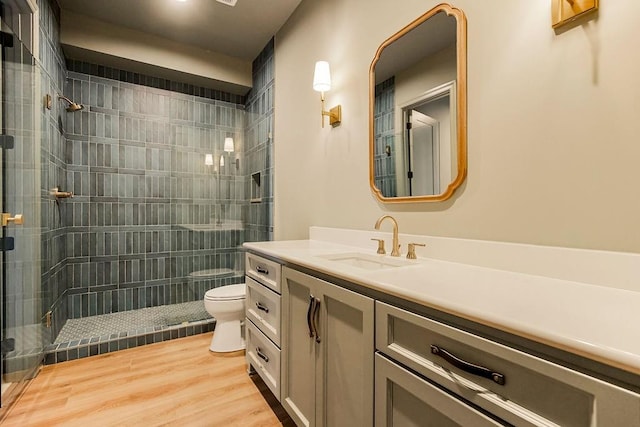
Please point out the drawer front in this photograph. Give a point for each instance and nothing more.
(264, 356)
(263, 308)
(405, 399)
(521, 389)
(264, 271)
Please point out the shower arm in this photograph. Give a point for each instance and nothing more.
(66, 99)
(73, 106)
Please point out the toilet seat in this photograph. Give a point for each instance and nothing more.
(227, 293)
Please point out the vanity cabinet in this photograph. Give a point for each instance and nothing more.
(336, 357)
(327, 352)
(405, 399)
(263, 327)
(512, 386)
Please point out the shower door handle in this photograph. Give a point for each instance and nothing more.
(6, 218)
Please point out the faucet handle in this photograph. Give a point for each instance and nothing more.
(411, 253)
(381, 249)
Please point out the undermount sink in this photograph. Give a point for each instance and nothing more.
(367, 261)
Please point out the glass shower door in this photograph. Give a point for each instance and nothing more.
(21, 328)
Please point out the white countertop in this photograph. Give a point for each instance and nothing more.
(596, 322)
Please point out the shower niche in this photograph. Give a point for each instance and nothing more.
(256, 188)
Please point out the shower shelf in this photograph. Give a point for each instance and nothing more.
(211, 273)
(225, 226)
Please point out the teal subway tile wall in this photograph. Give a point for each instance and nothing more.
(149, 223)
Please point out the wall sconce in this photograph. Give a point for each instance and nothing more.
(208, 159)
(228, 145)
(567, 11)
(229, 148)
(322, 83)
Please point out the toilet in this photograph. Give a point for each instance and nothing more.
(226, 305)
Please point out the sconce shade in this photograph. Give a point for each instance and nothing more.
(322, 77)
(228, 144)
(208, 159)
(221, 161)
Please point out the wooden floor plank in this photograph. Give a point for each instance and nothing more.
(176, 382)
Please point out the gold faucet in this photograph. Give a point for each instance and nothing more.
(395, 247)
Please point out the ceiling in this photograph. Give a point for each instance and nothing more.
(431, 36)
(241, 31)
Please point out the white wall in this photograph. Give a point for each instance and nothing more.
(552, 132)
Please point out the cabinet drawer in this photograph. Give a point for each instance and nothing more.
(264, 271)
(521, 389)
(405, 399)
(263, 308)
(264, 356)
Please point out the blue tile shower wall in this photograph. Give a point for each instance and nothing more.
(259, 140)
(135, 230)
(135, 162)
(51, 67)
(384, 116)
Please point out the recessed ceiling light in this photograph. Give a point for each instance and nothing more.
(228, 2)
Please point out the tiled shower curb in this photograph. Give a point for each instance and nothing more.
(62, 352)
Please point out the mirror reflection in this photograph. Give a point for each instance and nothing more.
(418, 110)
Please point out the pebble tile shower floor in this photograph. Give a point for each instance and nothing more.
(105, 333)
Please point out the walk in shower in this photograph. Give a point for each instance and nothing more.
(136, 192)
(150, 223)
(162, 202)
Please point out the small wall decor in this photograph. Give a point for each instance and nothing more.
(565, 11)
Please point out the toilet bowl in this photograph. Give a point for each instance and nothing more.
(226, 305)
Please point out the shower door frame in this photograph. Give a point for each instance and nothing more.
(28, 16)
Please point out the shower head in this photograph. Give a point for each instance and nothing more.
(73, 107)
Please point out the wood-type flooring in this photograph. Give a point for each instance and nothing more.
(173, 383)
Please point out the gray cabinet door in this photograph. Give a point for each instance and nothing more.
(327, 378)
(345, 362)
(298, 387)
(405, 400)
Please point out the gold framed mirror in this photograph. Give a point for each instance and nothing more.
(418, 110)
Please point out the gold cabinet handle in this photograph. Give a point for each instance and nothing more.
(7, 218)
